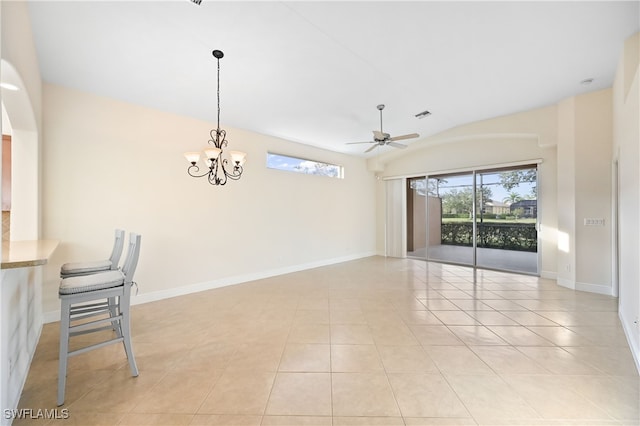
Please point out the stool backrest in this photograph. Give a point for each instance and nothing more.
(118, 244)
(131, 261)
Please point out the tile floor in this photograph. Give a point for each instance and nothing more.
(374, 341)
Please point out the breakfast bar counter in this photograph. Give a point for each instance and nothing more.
(23, 254)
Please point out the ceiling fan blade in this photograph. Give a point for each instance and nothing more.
(353, 143)
(399, 138)
(378, 135)
(397, 145)
(371, 148)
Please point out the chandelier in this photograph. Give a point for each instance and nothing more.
(218, 169)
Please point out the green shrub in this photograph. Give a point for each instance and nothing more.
(505, 236)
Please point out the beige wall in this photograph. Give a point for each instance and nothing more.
(566, 248)
(593, 191)
(584, 192)
(112, 164)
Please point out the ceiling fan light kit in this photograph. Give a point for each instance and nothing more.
(380, 138)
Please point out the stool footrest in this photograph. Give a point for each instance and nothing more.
(84, 312)
(96, 346)
(90, 325)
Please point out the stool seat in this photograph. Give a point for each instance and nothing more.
(73, 269)
(98, 281)
(83, 268)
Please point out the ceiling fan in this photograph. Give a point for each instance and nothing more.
(381, 139)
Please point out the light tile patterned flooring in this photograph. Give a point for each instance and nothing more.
(376, 341)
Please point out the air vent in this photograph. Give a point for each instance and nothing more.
(423, 114)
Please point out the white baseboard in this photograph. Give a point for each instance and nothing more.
(563, 282)
(595, 288)
(629, 334)
(54, 316)
(588, 287)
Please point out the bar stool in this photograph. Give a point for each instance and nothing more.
(74, 269)
(111, 293)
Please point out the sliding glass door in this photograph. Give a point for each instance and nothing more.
(484, 218)
(507, 219)
(451, 218)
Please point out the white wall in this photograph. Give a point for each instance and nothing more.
(111, 164)
(515, 138)
(626, 149)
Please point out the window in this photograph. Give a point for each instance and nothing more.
(302, 165)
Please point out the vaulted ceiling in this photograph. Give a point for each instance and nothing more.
(313, 72)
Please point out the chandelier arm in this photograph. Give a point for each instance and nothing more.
(194, 169)
(235, 174)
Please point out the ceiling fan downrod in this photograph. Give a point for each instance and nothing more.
(380, 108)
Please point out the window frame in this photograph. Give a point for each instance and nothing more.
(340, 168)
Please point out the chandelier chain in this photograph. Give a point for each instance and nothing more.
(218, 94)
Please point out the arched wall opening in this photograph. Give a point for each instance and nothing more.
(25, 158)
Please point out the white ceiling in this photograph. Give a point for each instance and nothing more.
(313, 72)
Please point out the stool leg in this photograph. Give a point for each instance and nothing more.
(113, 312)
(125, 302)
(64, 348)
